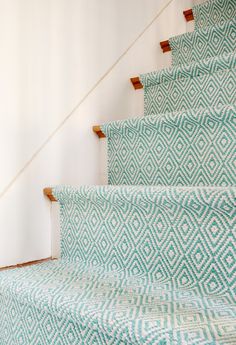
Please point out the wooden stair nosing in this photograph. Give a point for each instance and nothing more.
(165, 46)
(188, 15)
(48, 193)
(97, 129)
(136, 83)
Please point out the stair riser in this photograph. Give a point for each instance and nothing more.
(178, 236)
(208, 90)
(191, 148)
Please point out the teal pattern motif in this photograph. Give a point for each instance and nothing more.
(208, 83)
(187, 148)
(204, 43)
(140, 265)
(213, 11)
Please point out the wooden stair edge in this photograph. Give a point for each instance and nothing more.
(25, 264)
(98, 130)
(48, 193)
(136, 83)
(165, 46)
(188, 15)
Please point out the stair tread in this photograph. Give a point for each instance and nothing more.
(114, 306)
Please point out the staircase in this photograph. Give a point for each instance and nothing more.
(150, 258)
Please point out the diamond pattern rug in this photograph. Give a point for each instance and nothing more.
(204, 43)
(144, 265)
(212, 12)
(187, 148)
(131, 272)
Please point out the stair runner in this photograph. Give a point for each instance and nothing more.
(213, 12)
(194, 147)
(142, 264)
(203, 43)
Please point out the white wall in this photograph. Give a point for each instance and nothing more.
(65, 65)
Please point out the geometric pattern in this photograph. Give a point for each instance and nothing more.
(186, 148)
(140, 265)
(193, 70)
(212, 12)
(149, 265)
(204, 43)
(208, 83)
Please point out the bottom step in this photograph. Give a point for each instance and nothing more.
(140, 265)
